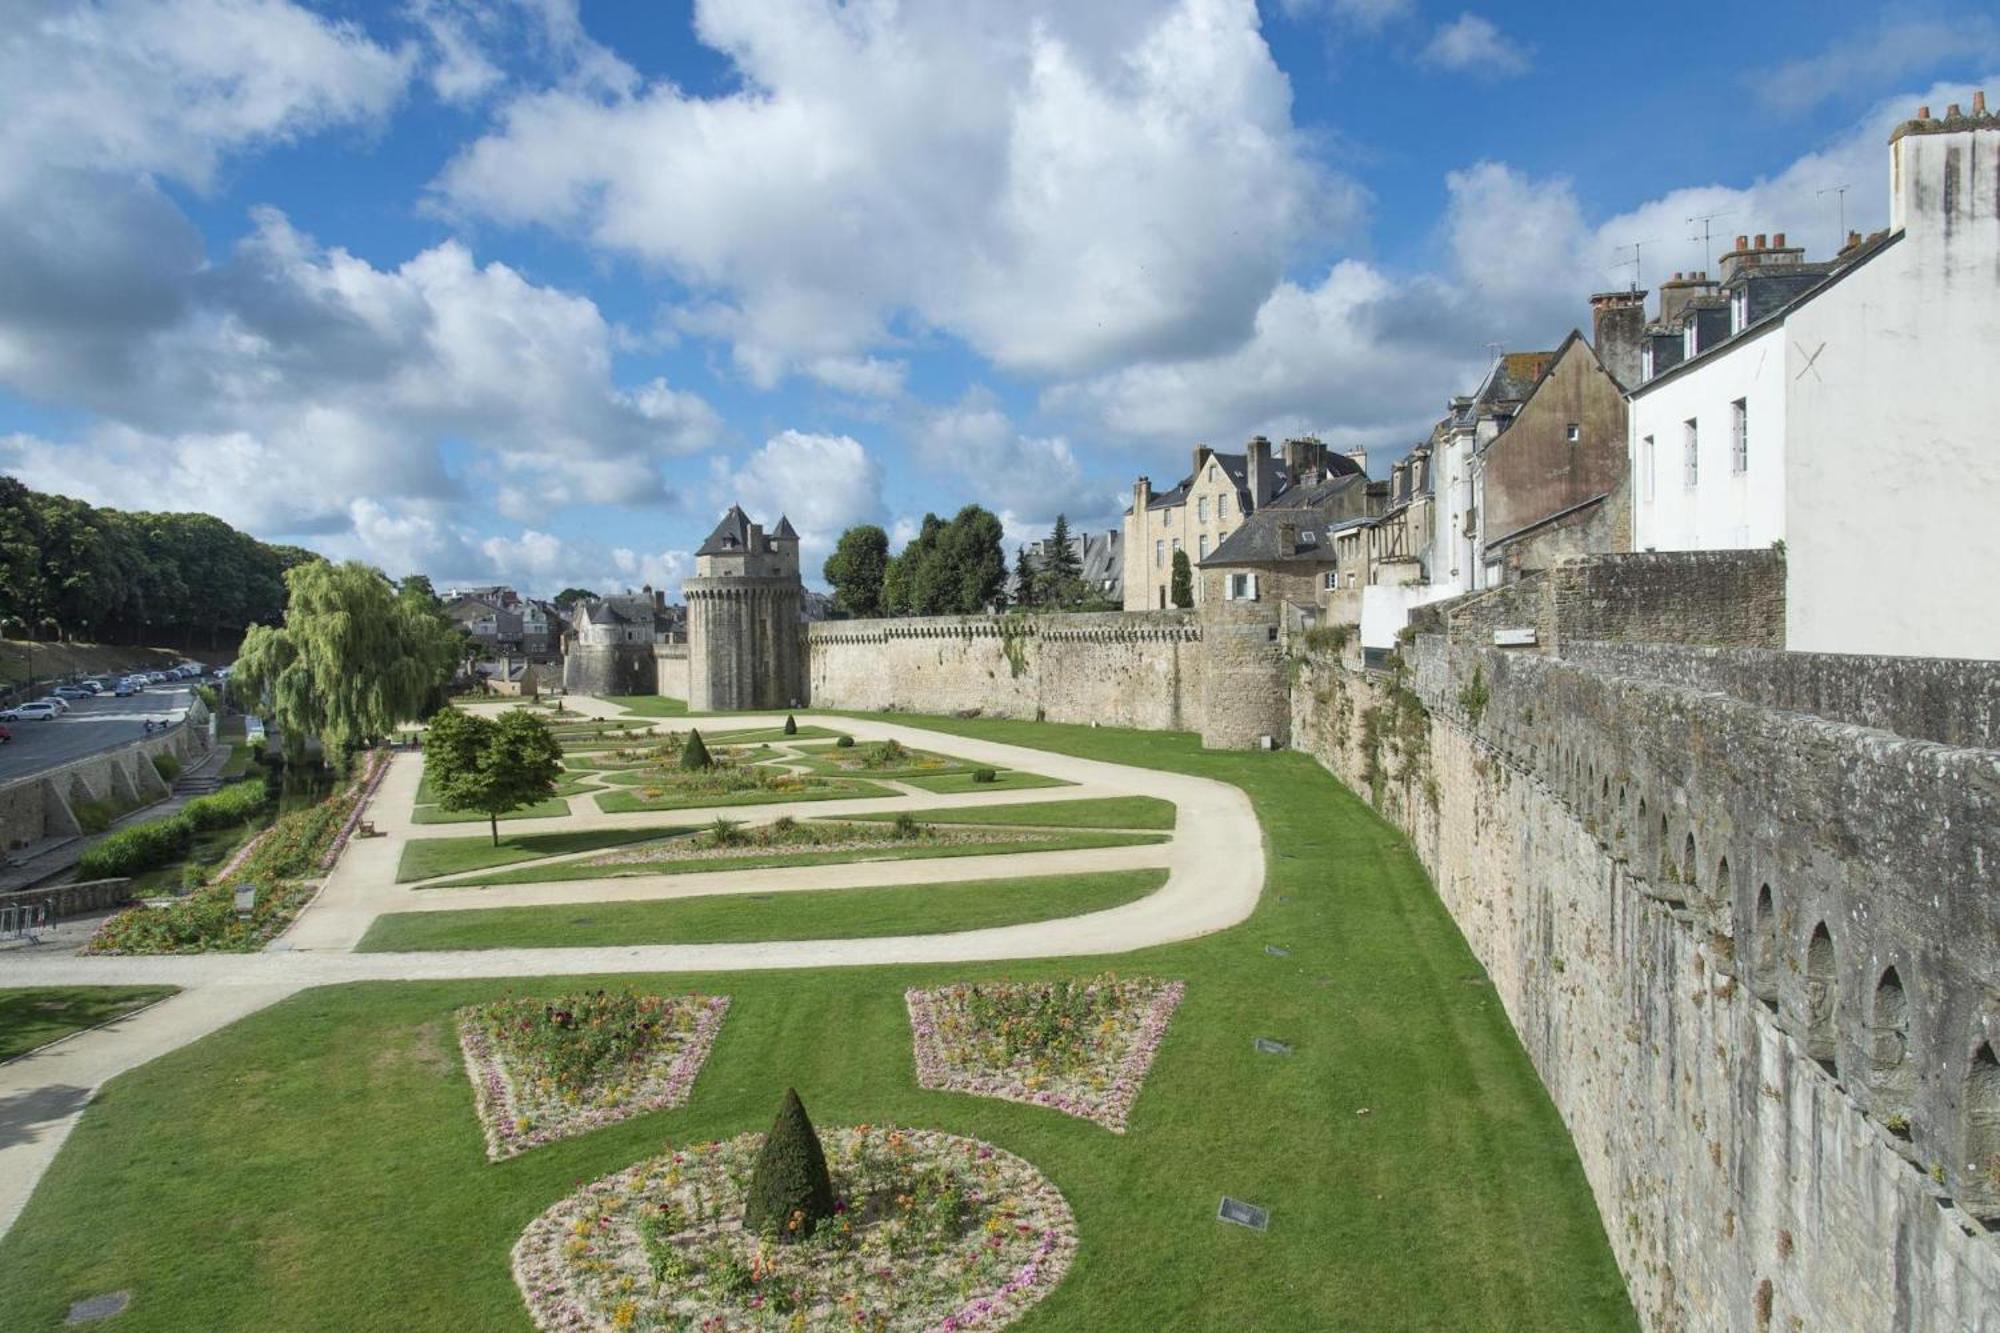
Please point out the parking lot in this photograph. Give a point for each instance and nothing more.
(90, 725)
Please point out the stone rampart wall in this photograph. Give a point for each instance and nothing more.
(1129, 669)
(1712, 597)
(1751, 954)
(1951, 700)
(42, 805)
(616, 668)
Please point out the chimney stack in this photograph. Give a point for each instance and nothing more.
(1359, 453)
(1617, 331)
(1979, 103)
(1675, 295)
(1932, 194)
(1201, 453)
(1257, 457)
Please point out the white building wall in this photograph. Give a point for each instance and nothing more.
(1893, 477)
(1725, 509)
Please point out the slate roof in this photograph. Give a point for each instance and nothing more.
(602, 613)
(785, 531)
(731, 535)
(1256, 542)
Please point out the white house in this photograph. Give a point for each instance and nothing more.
(1850, 413)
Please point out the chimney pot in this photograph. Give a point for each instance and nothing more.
(1923, 113)
(1760, 241)
(1742, 242)
(1951, 112)
(1979, 103)
(1778, 241)
(1677, 277)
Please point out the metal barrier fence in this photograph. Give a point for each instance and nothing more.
(25, 921)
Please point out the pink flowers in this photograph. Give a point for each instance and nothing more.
(1084, 1052)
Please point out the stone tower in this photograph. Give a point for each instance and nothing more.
(746, 637)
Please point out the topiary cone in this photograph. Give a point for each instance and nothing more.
(791, 725)
(790, 1190)
(694, 754)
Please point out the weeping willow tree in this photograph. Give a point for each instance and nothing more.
(354, 658)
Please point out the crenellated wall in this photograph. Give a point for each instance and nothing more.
(1750, 950)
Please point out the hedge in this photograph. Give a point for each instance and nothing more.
(159, 842)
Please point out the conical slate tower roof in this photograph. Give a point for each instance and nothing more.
(785, 532)
(730, 535)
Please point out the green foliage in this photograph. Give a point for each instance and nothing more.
(1328, 638)
(983, 775)
(94, 816)
(790, 1191)
(791, 725)
(906, 827)
(954, 568)
(1014, 645)
(1024, 580)
(580, 1040)
(1182, 590)
(69, 570)
(694, 755)
(166, 766)
(494, 767)
(891, 753)
(727, 833)
(569, 597)
(1475, 696)
(843, 743)
(161, 842)
(856, 569)
(353, 659)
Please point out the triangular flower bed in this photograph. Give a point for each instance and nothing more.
(548, 1069)
(1080, 1047)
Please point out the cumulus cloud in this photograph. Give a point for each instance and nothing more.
(1028, 478)
(1365, 14)
(1473, 45)
(997, 171)
(1896, 50)
(823, 483)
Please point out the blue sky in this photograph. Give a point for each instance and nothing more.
(530, 291)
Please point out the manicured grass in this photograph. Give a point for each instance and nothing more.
(32, 1016)
(424, 858)
(767, 734)
(632, 802)
(1005, 779)
(649, 705)
(825, 914)
(350, 1145)
(755, 860)
(1148, 812)
(553, 808)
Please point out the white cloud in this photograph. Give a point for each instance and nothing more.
(1365, 14)
(1028, 478)
(169, 86)
(999, 171)
(863, 376)
(823, 483)
(1868, 61)
(1473, 45)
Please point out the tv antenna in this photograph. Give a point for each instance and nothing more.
(1839, 192)
(1707, 246)
(1638, 251)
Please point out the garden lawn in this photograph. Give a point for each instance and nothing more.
(649, 705)
(553, 808)
(1457, 1203)
(766, 860)
(565, 786)
(632, 802)
(768, 735)
(1141, 812)
(824, 914)
(34, 1016)
(425, 858)
(1006, 779)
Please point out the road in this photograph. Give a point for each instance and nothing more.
(91, 725)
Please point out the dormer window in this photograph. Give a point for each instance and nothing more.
(1739, 310)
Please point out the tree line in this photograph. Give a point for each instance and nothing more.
(954, 567)
(70, 570)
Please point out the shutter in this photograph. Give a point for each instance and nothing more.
(1253, 587)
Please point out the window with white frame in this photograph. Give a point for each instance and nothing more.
(1240, 588)
(1333, 580)
(1573, 433)
(1221, 507)
(1739, 436)
(1160, 554)
(1647, 478)
(1690, 453)
(1201, 509)
(1201, 545)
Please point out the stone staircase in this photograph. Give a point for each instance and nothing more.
(202, 779)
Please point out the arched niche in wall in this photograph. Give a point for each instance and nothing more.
(1822, 1001)
(1764, 948)
(1980, 1111)
(1891, 1072)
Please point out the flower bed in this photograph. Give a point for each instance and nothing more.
(726, 840)
(544, 1070)
(933, 1231)
(1080, 1047)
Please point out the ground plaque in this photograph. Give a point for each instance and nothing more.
(1277, 951)
(1267, 1046)
(98, 1307)
(1243, 1214)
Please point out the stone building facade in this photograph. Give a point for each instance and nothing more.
(746, 624)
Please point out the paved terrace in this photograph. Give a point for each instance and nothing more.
(1215, 865)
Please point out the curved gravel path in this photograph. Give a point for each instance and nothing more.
(1215, 865)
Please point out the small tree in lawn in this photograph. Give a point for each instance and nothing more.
(694, 755)
(514, 762)
(1183, 590)
(790, 1191)
(791, 725)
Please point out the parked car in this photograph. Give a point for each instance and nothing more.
(71, 692)
(93, 687)
(38, 711)
(57, 702)
(126, 688)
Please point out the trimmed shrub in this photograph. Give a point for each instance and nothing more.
(232, 805)
(134, 850)
(694, 755)
(906, 826)
(166, 766)
(984, 775)
(790, 1191)
(95, 816)
(844, 743)
(791, 725)
(726, 833)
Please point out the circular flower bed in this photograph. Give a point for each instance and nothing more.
(933, 1231)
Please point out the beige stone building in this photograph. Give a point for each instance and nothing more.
(1210, 505)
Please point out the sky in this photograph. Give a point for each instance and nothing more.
(529, 291)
